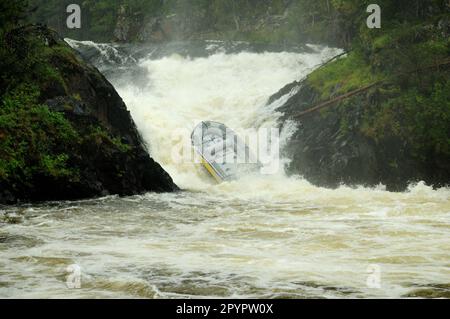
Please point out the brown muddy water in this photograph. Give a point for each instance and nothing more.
(260, 237)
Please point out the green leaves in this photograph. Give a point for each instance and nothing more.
(11, 13)
(33, 139)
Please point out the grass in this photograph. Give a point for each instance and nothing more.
(33, 139)
(412, 105)
(344, 75)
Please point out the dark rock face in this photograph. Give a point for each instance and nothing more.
(320, 153)
(173, 27)
(114, 159)
(328, 153)
(121, 32)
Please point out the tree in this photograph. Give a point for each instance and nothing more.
(11, 13)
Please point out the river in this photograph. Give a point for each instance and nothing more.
(267, 236)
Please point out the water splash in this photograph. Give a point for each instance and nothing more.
(259, 237)
(229, 88)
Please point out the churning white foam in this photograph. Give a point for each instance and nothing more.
(258, 237)
(229, 88)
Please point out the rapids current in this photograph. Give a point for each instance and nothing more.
(268, 236)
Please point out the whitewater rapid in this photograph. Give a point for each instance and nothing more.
(269, 236)
(233, 89)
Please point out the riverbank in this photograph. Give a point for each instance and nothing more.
(380, 114)
(275, 22)
(255, 239)
(64, 131)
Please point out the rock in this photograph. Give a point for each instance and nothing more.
(123, 25)
(67, 104)
(6, 197)
(328, 153)
(185, 24)
(110, 157)
(154, 31)
(444, 27)
(13, 218)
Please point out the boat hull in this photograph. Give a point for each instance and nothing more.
(220, 150)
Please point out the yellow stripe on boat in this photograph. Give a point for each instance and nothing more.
(211, 170)
(215, 143)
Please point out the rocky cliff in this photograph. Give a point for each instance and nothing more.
(263, 21)
(65, 133)
(387, 107)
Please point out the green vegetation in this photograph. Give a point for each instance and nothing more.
(409, 55)
(33, 140)
(406, 56)
(265, 21)
(420, 118)
(36, 142)
(100, 17)
(96, 135)
(31, 136)
(344, 75)
(335, 22)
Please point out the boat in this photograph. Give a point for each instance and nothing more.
(223, 154)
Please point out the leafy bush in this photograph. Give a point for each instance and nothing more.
(33, 139)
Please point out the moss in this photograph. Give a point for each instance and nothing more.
(407, 115)
(61, 51)
(271, 36)
(34, 140)
(418, 114)
(343, 75)
(98, 135)
(56, 166)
